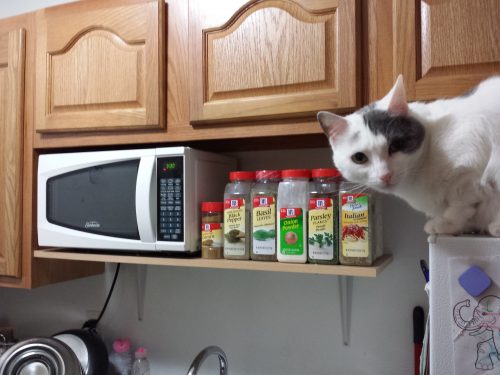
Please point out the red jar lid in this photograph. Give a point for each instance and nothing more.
(241, 175)
(298, 173)
(260, 175)
(325, 172)
(212, 206)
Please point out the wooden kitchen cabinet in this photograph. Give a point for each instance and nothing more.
(18, 266)
(271, 58)
(442, 48)
(100, 67)
(12, 60)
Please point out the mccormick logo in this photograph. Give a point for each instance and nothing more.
(92, 224)
(320, 203)
(210, 227)
(350, 198)
(290, 213)
(234, 203)
(263, 201)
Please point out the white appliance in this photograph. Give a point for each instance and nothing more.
(147, 199)
(464, 327)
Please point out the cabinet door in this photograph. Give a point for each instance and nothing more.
(271, 58)
(12, 60)
(99, 67)
(444, 47)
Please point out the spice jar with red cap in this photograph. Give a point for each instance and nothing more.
(212, 218)
(322, 228)
(263, 198)
(237, 215)
(292, 214)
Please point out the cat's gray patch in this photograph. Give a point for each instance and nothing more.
(355, 137)
(403, 133)
(367, 108)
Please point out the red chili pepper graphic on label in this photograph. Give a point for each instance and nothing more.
(353, 230)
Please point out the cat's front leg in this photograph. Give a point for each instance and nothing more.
(494, 227)
(452, 221)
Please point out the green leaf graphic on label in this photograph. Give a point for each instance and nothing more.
(262, 234)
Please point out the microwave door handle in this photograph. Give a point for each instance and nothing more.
(145, 199)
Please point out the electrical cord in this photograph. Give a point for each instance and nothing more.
(91, 324)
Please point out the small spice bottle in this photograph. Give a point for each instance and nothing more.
(212, 218)
(263, 197)
(237, 215)
(292, 215)
(322, 229)
(359, 225)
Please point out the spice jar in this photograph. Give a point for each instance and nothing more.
(359, 225)
(212, 218)
(292, 214)
(263, 197)
(237, 215)
(322, 229)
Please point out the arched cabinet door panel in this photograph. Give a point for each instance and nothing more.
(445, 47)
(100, 67)
(264, 59)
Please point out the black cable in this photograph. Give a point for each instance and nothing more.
(91, 324)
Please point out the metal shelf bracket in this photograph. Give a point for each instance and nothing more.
(345, 294)
(141, 272)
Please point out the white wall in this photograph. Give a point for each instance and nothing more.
(268, 323)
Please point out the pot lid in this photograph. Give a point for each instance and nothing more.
(39, 356)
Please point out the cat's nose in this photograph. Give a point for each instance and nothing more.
(386, 178)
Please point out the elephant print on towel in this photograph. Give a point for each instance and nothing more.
(485, 327)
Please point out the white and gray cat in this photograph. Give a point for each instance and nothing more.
(442, 157)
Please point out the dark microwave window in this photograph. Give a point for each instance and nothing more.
(98, 200)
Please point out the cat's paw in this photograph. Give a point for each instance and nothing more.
(439, 225)
(494, 229)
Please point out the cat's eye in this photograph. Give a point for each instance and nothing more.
(359, 158)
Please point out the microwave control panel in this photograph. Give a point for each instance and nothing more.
(170, 200)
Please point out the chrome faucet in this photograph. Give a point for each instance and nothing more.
(200, 358)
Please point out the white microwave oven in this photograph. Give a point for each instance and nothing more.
(146, 199)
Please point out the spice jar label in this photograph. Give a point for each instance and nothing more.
(264, 225)
(321, 235)
(354, 225)
(211, 234)
(234, 226)
(291, 231)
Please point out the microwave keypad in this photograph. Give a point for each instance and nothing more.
(170, 199)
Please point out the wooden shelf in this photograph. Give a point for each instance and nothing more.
(318, 269)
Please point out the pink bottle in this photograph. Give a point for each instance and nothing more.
(121, 358)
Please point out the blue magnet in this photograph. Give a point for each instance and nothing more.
(474, 281)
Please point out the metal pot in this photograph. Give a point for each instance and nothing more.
(40, 356)
(89, 349)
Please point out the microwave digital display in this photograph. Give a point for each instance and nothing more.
(170, 187)
(169, 166)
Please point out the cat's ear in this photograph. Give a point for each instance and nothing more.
(396, 99)
(332, 124)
